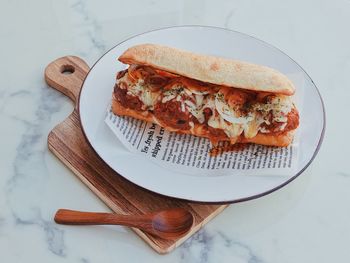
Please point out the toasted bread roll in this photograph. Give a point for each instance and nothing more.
(215, 70)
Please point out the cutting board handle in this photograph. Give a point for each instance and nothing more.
(67, 75)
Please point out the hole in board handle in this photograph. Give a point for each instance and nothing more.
(67, 69)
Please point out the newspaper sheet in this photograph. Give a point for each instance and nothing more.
(190, 154)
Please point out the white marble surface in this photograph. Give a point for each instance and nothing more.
(307, 221)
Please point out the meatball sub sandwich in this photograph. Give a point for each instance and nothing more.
(220, 99)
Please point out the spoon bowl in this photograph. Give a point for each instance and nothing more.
(173, 222)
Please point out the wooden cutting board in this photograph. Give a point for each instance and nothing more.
(69, 144)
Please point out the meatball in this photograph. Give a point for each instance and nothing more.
(171, 114)
(126, 100)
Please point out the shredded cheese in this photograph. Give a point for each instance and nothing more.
(224, 117)
(228, 113)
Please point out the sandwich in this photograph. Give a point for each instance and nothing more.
(220, 99)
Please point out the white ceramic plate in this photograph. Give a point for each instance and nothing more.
(96, 95)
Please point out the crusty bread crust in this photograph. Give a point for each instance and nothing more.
(281, 140)
(215, 70)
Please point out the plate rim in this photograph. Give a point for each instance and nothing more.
(320, 140)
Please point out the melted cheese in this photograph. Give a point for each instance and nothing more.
(198, 92)
(232, 130)
(263, 130)
(229, 114)
(279, 117)
(281, 103)
(280, 106)
(169, 97)
(229, 120)
(199, 100)
(252, 129)
(145, 95)
(283, 126)
(209, 102)
(250, 123)
(149, 98)
(135, 90)
(195, 110)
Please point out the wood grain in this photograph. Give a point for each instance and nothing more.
(68, 143)
(168, 224)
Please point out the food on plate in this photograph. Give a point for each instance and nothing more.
(221, 99)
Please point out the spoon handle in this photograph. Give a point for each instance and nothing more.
(71, 217)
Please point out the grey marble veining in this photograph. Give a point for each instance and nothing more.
(344, 174)
(54, 236)
(228, 18)
(93, 31)
(29, 161)
(307, 221)
(206, 246)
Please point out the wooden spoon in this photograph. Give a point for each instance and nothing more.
(167, 224)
